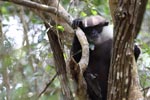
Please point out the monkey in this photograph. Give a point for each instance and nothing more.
(100, 39)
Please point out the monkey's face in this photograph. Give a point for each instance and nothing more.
(93, 27)
(93, 33)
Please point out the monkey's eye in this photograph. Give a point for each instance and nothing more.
(88, 30)
(98, 28)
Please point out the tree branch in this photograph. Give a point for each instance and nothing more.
(48, 84)
(43, 7)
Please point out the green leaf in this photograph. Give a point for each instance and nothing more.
(4, 10)
(61, 28)
(83, 14)
(94, 12)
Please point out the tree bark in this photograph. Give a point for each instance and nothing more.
(123, 77)
(59, 62)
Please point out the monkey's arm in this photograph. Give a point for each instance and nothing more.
(76, 49)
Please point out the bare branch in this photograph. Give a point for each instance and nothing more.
(48, 84)
(43, 7)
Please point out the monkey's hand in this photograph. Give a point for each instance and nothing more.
(77, 23)
(137, 51)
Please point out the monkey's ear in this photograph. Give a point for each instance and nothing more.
(94, 20)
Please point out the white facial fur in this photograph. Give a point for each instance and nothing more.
(107, 33)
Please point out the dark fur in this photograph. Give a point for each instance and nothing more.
(96, 74)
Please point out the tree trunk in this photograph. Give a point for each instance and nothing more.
(59, 62)
(123, 77)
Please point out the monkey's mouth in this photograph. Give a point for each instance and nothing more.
(92, 38)
(94, 35)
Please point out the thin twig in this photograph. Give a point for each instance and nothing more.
(145, 88)
(47, 85)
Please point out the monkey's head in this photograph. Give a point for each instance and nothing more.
(94, 21)
(96, 29)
